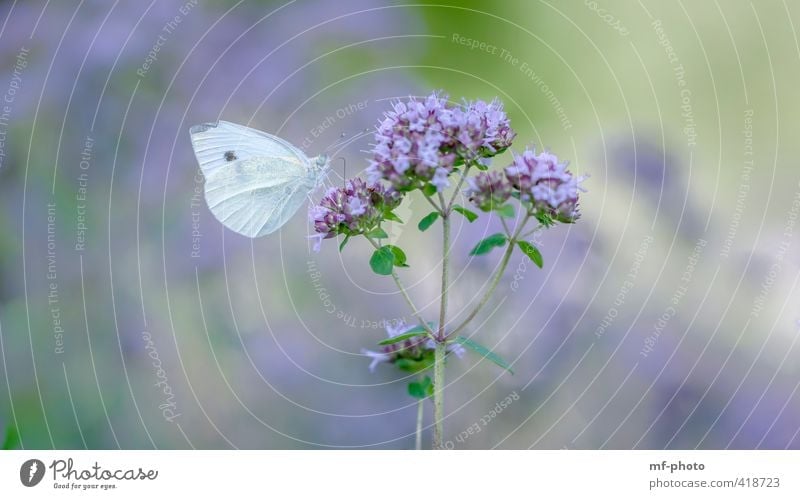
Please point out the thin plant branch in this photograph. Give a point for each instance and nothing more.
(512, 241)
(406, 296)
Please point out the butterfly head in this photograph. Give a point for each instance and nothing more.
(321, 164)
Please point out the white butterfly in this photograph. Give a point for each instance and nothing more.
(255, 181)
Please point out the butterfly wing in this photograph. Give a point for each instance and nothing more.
(291, 203)
(255, 182)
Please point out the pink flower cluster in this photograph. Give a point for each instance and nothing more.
(488, 190)
(354, 209)
(539, 181)
(420, 142)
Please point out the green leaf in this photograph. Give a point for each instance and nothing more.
(385, 258)
(428, 220)
(544, 219)
(505, 211)
(414, 331)
(480, 166)
(414, 366)
(486, 245)
(344, 241)
(392, 217)
(470, 215)
(398, 256)
(565, 219)
(421, 389)
(402, 337)
(484, 352)
(377, 233)
(420, 328)
(11, 440)
(382, 261)
(532, 251)
(429, 190)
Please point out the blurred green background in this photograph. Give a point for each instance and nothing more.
(665, 318)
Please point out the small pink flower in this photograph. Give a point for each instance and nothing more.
(488, 190)
(354, 209)
(419, 142)
(546, 184)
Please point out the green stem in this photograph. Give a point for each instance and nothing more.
(438, 394)
(512, 241)
(441, 339)
(464, 175)
(490, 291)
(436, 207)
(505, 226)
(420, 414)
(441, 345)
(445, 273)
(532, 231)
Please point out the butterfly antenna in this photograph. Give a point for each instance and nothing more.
(336, 142)
(343, 175)
(334, 172)
(343, 144)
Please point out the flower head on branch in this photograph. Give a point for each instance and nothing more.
(546, 184)
(413, 354)
(542, 184)
(354, 209)
(421, 142)
(483, 129)
(488, 190)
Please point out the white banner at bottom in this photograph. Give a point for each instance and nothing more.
(402, 474)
